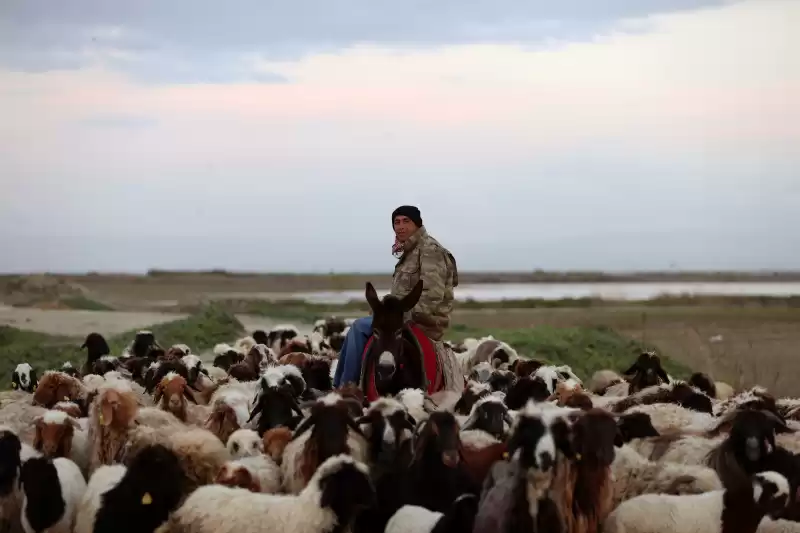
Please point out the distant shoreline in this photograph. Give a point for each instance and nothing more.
(290, 282)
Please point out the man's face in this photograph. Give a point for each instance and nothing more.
(403, 228)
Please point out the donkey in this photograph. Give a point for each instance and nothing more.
(395, 362)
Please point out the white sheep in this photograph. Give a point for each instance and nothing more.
(218, 509)
(257, 473)
(104, 479)
(634, 475)
(460, 517)
(245, 443)
(702, 513)
(51, 492)
(670, 417)
(415, 403)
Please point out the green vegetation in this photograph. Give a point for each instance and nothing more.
(84, 303)
(584, 349)
(202, 330)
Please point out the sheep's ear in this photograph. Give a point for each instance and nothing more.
(372, 298)
(632, 370)
(778, 425)
(662, 374)
(304, 426)
(159, 391)
(189, 393)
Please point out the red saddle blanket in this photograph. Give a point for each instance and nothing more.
(433, 373)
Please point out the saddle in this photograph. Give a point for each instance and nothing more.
(433, 371)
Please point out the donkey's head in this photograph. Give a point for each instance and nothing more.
(387, 327)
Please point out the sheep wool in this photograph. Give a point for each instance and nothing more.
(103, 480)
(218, 509)
(39, 499)
(634, 475)
(412, 519)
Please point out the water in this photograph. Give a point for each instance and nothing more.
(484, 292)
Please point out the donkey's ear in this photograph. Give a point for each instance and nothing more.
(411, 299)
(372, 297)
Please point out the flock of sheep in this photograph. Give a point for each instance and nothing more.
(155, 440)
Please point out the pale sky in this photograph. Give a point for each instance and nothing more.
(277, 136)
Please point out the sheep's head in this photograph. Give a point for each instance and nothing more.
(143, 342)
(752, 434)
(54, 431)
(594, 436)
(70, 370)
(344, 486)
(172, 393)
(301, 345)
(645, 372)
(525, 367)
(330, 420)
(438, 436)
(636, 426)
(222, 421)
(387, 426)
(704, 383)
(153, 486)
(275, 441)
(195, 368)
(233, 474)
(501, 380)
(489, 414)
(538, 435)
(473, 392)
(96, 347)
(245, 443)
(276, 401)
(771, 493)
(115, 405)
(55, 387)
(524, 389)
(24, 378)
(260, 336)
(104, 364)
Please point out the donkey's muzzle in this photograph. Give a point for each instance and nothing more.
(386, 366)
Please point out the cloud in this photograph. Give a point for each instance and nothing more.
(205, 38)
(670, 139)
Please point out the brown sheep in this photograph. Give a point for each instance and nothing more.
(232, 475)
(111, 417)
(171, 395)
(56, 387)
(275, 441)
(583, 487)
(248, 370)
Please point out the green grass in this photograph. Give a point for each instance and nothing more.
(85, 304)
(201, 331)
(584, 349)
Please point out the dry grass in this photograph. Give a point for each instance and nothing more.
(760, 339)
(759, 345)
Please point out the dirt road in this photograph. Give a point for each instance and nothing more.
(79, 323)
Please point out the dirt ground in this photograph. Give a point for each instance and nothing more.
(79, 323)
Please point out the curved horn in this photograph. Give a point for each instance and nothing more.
(256, 409)
(304, 426)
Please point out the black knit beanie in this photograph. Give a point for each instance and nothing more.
(409, 211)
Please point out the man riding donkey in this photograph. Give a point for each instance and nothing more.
(420, 258)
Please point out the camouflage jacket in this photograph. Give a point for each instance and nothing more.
(424, 258)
